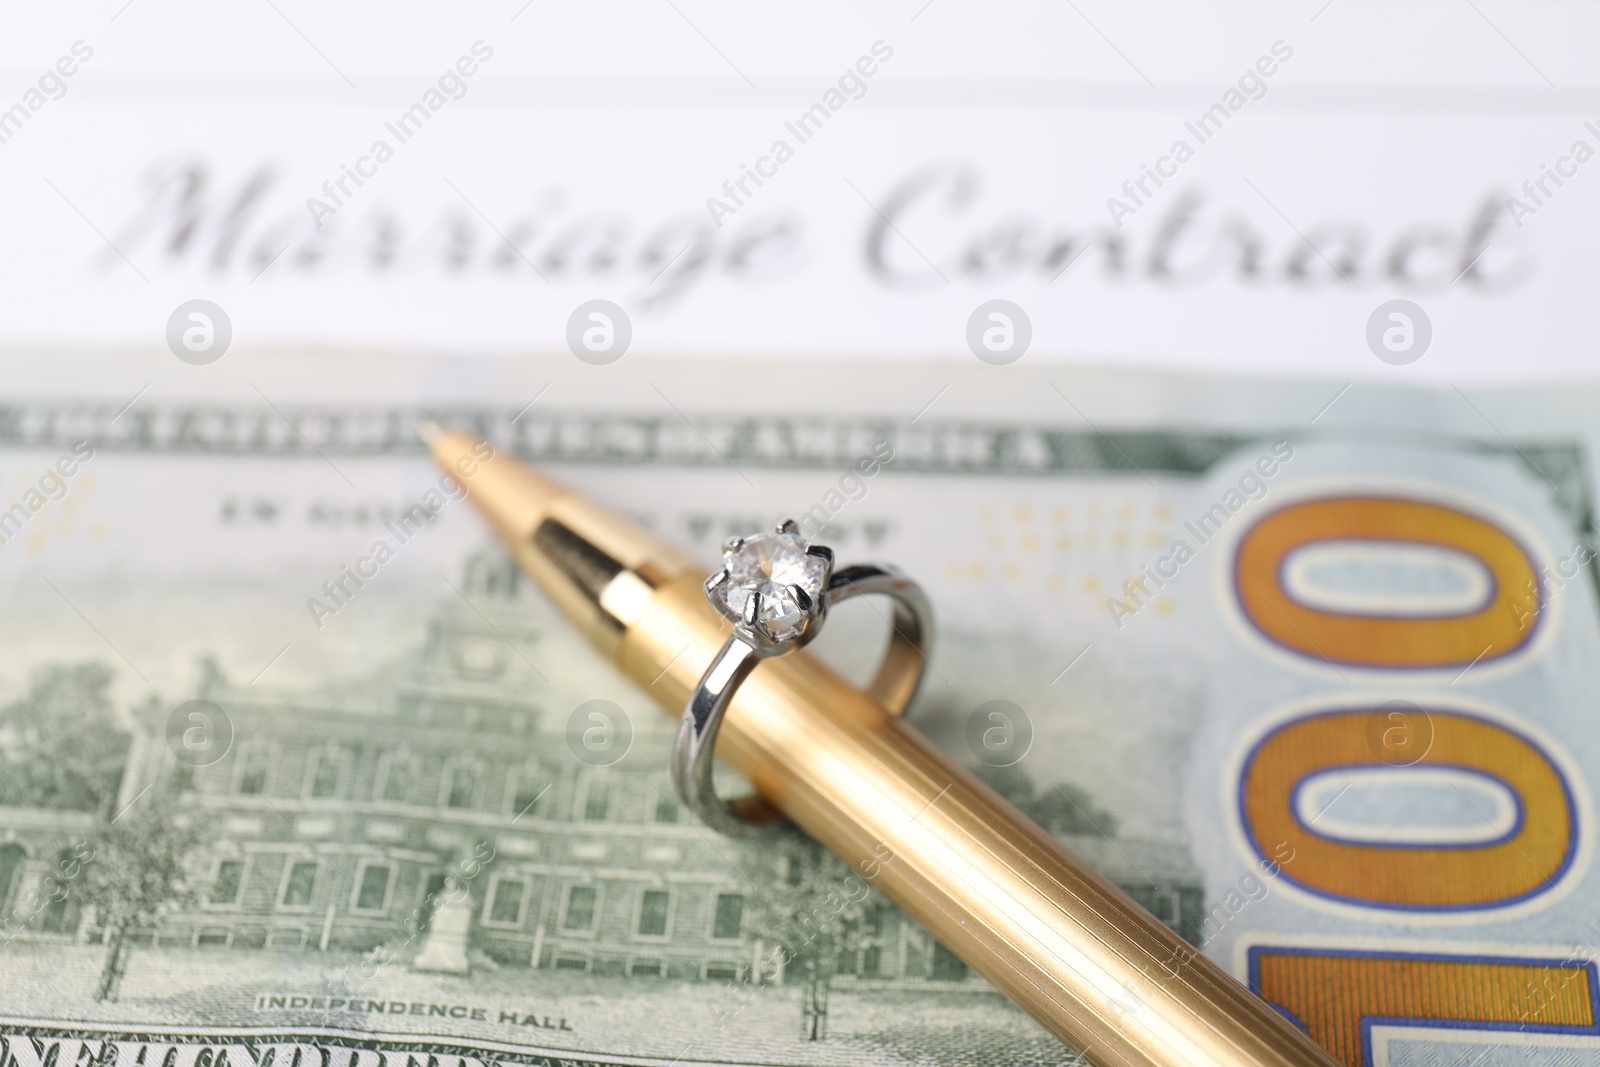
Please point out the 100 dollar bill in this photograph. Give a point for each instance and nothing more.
(1304, 668)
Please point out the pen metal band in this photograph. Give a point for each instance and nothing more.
(602, 592)
(894, 685)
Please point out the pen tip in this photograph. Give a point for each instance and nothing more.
(429, 431)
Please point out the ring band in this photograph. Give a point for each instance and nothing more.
(763, 630)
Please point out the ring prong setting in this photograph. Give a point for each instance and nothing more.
(772, 587)
(803, 598)
(716, 580)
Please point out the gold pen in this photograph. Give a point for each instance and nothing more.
(1061, 941)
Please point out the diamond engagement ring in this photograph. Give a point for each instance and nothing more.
(776, 590)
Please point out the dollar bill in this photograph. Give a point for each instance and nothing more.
(299, 771)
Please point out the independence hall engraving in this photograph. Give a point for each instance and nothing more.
(341, 818)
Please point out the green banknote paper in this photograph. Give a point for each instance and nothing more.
(296, 771)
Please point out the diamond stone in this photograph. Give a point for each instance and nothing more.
(769, 564)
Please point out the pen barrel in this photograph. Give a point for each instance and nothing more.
(1064, 943)
(1060, 940)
